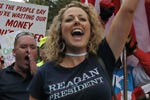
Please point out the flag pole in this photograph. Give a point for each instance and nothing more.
(125, 72)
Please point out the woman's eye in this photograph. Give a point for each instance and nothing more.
(68, 20)
(83, 19)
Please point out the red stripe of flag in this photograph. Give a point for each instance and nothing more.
(89, 1)
(147, 6)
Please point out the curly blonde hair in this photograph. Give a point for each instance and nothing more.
(54, 46)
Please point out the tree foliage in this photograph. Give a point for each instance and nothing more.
(54, 7)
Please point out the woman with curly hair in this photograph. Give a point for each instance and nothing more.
(74, 44)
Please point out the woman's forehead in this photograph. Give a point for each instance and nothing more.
(74, 10)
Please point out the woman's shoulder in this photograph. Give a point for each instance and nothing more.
(46, 66)
(104, 51)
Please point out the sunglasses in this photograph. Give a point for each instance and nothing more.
(23, 34)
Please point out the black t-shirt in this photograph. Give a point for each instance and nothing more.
(12, 85)
(86, 81)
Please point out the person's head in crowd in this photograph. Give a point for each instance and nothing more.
(62, 35)
(42, 45)
(42, 55)
(25, 52)
(74, 46)
(15, 78)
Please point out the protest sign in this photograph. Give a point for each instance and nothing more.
(16, 16)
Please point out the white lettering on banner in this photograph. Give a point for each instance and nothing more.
(77, 84)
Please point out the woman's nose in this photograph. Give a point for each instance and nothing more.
(77, 22)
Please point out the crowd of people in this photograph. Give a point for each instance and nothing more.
(77, 61)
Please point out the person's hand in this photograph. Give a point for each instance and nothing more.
(33, 67)
(107, 9)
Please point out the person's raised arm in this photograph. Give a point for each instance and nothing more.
(120, 27)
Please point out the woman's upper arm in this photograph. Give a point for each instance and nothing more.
(120, 27)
